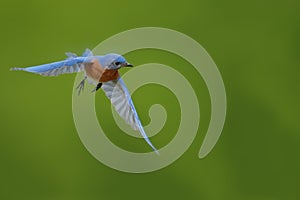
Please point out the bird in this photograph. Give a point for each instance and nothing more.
(101, 71)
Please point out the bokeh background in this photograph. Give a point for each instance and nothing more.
(256, 47)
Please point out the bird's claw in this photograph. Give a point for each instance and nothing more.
(80, 86)
(97, 87)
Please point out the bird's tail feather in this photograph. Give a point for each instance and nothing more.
(87, 53)
(71, 55)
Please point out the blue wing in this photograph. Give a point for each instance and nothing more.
(70, 65)
(119, 96)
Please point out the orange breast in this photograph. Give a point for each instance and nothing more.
(109, 75)
(97, 72)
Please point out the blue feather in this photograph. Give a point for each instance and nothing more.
(140, 127)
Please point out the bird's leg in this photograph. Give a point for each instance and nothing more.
(80, 86)
(97, 87)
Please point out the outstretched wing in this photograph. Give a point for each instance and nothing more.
(119, 96)
(71, 65)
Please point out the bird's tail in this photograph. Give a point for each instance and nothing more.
(86, 53)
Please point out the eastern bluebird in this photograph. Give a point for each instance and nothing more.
(101, 71)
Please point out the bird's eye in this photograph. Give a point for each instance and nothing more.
(117, 63)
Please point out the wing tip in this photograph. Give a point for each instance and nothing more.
(153, 147)
(16, 69)
(157, 152)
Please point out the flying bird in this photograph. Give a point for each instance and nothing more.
(101, 71)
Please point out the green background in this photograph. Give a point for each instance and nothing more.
(255, 45)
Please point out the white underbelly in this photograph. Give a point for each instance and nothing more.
(90, 79)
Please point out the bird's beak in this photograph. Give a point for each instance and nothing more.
(127, 65)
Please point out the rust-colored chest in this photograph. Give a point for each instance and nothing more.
(97, 72)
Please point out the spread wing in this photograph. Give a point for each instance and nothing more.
(71, 65)
(119, 96)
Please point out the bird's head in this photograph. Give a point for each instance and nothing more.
(115, 61)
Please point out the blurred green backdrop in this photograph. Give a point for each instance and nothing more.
(256, 47)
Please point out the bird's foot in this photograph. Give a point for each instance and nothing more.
(80, 86)
(97, 87)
